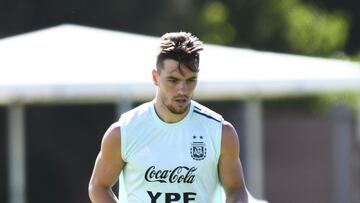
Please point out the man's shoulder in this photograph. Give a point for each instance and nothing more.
(112, 135)
(204, 111)
(136, 113)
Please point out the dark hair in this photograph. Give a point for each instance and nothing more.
(180, 46)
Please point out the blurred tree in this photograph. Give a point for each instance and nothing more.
(356, 57)
(214, 17)
(352, 9)
(290, 26)
(313, 31)
(277, 25)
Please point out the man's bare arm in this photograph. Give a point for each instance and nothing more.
(230, 168)
(107, 167)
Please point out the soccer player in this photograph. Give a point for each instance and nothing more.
(171, 149)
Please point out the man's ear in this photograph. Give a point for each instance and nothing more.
(155, 77)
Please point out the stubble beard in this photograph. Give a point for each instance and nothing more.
(173, 109)
(180, 111)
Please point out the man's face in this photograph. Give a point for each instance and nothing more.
(176, 86)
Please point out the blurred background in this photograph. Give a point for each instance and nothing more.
(310, 147)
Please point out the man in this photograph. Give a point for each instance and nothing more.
(171, 149)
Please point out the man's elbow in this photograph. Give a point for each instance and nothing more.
(99, 193)
(244, 198)
(95, 191)
(237, 197)
(92, 191)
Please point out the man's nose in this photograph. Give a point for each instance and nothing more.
(182, 88)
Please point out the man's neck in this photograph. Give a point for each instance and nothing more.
(166, 115)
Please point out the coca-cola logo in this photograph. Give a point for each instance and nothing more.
(180, 174)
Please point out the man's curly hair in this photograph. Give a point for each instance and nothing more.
(183, 47)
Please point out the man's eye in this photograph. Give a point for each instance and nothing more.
(172, 80)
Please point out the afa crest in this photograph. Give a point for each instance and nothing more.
(198, 151)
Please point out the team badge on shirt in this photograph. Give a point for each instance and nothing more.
(198, 149)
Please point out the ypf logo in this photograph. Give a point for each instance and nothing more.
(198, 149)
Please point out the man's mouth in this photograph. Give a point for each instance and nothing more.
(181, 100)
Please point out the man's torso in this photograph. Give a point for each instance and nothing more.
(171, 162)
